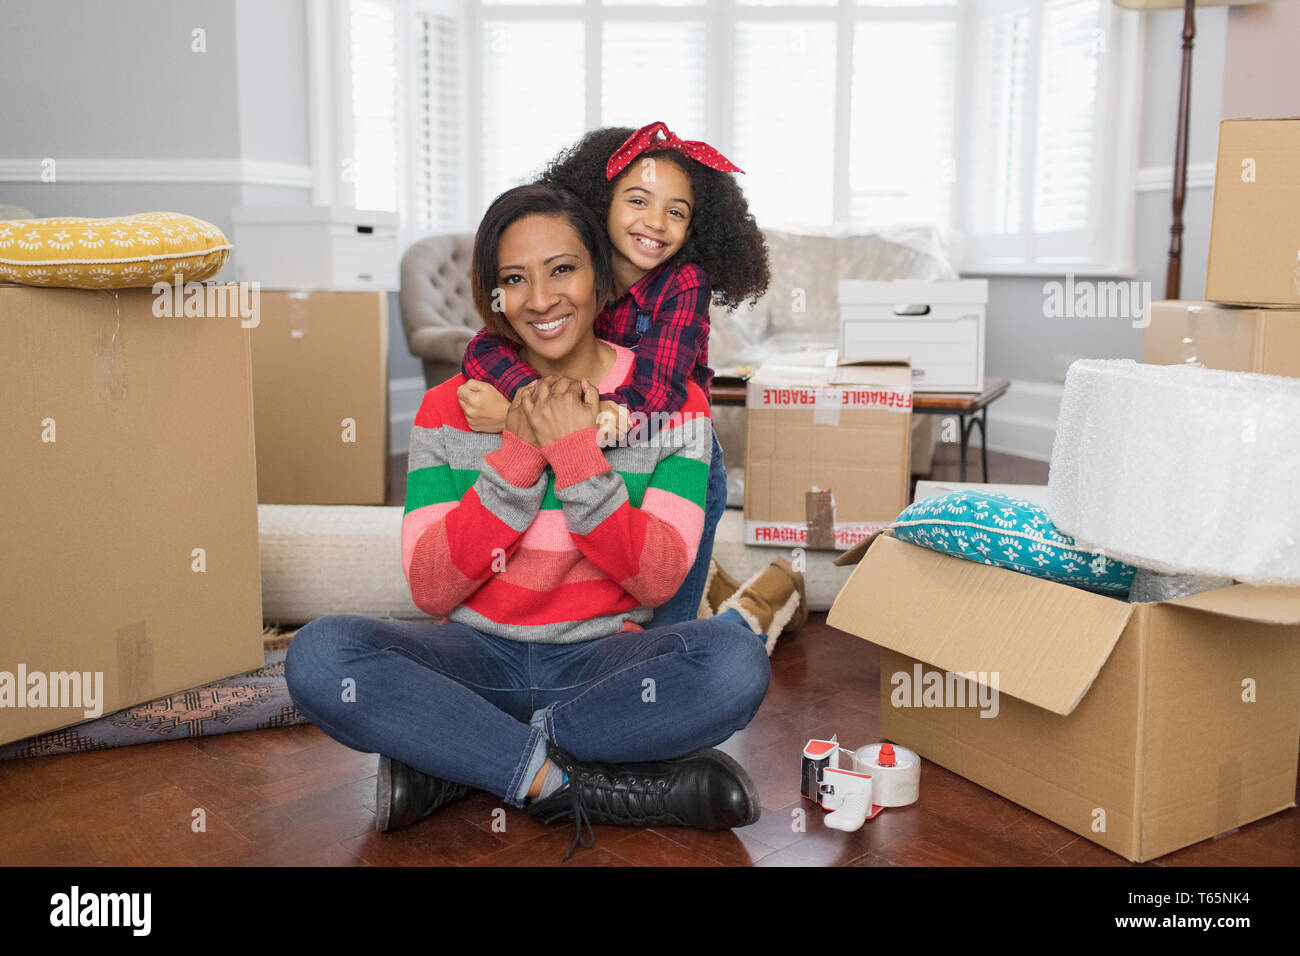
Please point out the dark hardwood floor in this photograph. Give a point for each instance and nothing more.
(295, 796)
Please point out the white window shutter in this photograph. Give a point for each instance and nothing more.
(373, 41)
(438, 124)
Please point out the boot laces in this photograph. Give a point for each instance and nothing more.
(619, 798)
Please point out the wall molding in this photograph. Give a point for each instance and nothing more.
(1155, 178)
(246, 172)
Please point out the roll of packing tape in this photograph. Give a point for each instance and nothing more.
(895, 786)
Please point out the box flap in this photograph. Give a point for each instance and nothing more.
(823, 367)
(1247, 603)
(1044, 642)
(855, 553)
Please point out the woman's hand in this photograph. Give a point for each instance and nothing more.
(517, 420)
(558, 407)
(614, 421)
(485, 408)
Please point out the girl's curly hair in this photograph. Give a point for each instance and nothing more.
(724, 239)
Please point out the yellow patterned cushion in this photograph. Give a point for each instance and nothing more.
(122, 252)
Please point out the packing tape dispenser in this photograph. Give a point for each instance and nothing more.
(882, 775)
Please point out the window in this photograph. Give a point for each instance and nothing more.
(437, 125)
(1003, 122)
(373, 64)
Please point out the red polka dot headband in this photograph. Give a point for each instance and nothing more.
(649, 138)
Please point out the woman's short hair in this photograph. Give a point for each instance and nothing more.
(519, 203)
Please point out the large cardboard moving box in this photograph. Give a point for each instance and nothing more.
(320, 398)
(827, 452)
(1254, 256)
(128, 503)
(1221, 336)
(1142, 727)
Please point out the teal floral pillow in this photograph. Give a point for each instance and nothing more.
(1010, 533)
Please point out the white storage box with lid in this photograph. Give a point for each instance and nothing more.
(316, 247)
(937, 326)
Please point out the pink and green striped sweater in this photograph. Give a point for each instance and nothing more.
(566, 543)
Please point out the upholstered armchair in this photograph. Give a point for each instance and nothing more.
(437, 308)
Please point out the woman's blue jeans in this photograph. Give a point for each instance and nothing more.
(478, 709)
(685, 604)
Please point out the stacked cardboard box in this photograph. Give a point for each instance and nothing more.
(1251, 322)
(1141, 727)
(129, 568)
(320, 387)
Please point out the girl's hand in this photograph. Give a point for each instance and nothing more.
(517, 420)
(484, 407)
(558, 407)
(614, 422)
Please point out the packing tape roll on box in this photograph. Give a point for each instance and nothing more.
(891, 786)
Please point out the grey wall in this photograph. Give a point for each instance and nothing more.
(1022, 343)
(271, 77)
(117, 79)
(1262, 75)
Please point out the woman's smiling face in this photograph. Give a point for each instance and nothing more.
(547, 285)
(650, 212)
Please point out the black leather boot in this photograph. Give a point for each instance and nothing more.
(706, 789)
(404, 794)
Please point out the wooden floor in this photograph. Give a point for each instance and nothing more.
(296, 797)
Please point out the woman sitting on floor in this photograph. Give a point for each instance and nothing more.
(546, 553)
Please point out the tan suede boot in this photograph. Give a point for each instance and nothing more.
(718, 586)
(772, 602)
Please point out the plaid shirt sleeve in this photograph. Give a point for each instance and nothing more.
(495, 359)
(668, 351)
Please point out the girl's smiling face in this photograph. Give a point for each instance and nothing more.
(650, 212)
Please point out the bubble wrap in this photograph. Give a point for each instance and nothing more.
(1181, 469)
(1150, 586)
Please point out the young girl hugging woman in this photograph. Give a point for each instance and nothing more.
(682, 236)
(545, 555)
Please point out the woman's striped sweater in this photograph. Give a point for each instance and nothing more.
(566, 543)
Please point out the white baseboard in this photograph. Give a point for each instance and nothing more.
(1023, 421)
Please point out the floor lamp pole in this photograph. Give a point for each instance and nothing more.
(1173, 274)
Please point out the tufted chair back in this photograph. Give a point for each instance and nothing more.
(437, 308)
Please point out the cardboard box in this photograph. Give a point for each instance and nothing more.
(1254, 254)
(1163, 723)
(827, 451)
(1220, 336)
(128, 447)
(320, 398)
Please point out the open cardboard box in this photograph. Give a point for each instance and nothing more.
(1142, 727)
